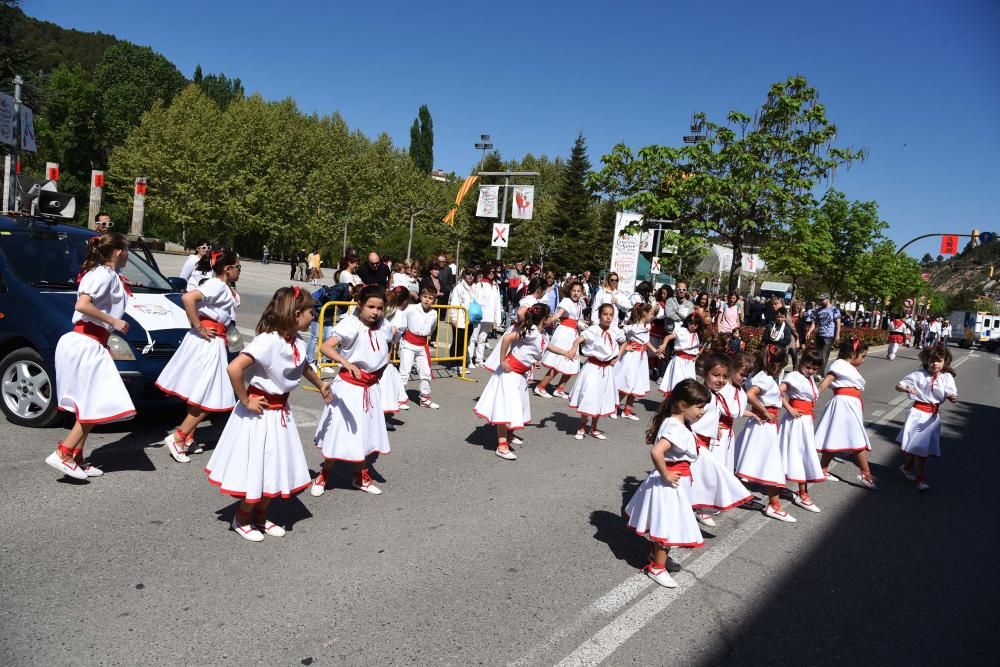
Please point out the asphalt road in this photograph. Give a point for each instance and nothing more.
(469, 559)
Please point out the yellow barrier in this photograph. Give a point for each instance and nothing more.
(442, 335)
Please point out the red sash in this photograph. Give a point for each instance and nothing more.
(803, 406)
(91, 330)
(930, 408)
(367, 380)
(895, 338)
(636, 347)
(212, 325)
(419, 341)
(702, 440)
(570, 322)
(682, 468)
(272, 401)
(847, 391)
(516, 366)
(772, 413)
(685, 355)
(600, 363)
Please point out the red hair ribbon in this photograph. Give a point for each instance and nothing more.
(296, 291)
(856, 343)
(215, 256)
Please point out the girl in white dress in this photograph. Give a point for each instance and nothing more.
(569, 314)
(352, 426)
(87, 380)
(421, 321)
(594, 394)
(732, 400)
(535, 291)
(682, 364)
(795, 432)
(632, 372)
(929, 387)
(504, 402)
(259, 455)
(391, 385)
(197, 371)
(759, 457)
(202, 271)
(714, 489)
(841, 429)
(660, 510)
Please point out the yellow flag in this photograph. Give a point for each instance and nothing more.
(449, 219)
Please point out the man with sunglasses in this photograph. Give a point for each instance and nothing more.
(679, 305)
(102, 222)
(192, 260)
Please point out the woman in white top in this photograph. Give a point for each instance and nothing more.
(197, 371)
(87, 380)
(349, 270)
(201, 249)
(487, 294)
(609, 293)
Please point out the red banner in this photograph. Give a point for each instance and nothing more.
(949, 244)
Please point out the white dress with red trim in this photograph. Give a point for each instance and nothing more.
(682, 364)
(595, 393)
(504, 399)
(796, 437)
(87, 380)
(391, 383)
(712, 485)
(260, 455)
(842, 426)
(197, 371)
(921, 433)
(493, 361)
(352, 426)
(659, 510)
(563, 338)
(732, 401)
(758, 457)
(632, 370)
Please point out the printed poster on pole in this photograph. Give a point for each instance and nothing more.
(6, 119)
(625, 251)
(524, 202)
(27, 130)
(488, 198)
(501, 234)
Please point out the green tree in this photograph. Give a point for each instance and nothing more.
(854, 228)
(131, 79)
(800, 251)
(422, 140)
(745, 179)
(926, 259)
(223, 90)
(575, 216)
(881, 273)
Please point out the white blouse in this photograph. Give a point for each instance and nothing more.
(929, 389)
(364, 347)
(845, 375)
(275, 370)
(107, 292)
(220, 302)
(602, 344)
(770, 393)
(682, 443)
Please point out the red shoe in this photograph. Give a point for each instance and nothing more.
(363, 481)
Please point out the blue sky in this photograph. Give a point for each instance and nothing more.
(916, 82)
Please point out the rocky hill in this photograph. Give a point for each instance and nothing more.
(966, 276)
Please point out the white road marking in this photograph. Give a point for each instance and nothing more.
(609, 638)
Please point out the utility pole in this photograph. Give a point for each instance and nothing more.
(503, 209)
(15, 153)
(506, 186)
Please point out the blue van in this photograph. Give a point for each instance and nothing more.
(39, 262)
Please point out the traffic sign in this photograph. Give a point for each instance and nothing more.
(501, 234)
(987, 237)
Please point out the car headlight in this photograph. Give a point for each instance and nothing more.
(235, 339)
(120, 349)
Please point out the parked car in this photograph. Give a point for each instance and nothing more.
(39, 263)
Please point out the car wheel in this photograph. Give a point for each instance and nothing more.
(27, 389)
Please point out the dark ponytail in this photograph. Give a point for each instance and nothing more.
(533, 317)
(689, 391)
(99, 250)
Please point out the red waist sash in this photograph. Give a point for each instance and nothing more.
(600, 363)
(803, 406)
(702, 440)
(686, 355)
(772, 413)
(516, 365)
(895, 337)
(637, 347)
(570, 322)
(272, 401)
(726, 422)
(419, 341)
(847, 391)
(91, 330)
(682, 468)
(931, 408)
(212, 325)
(366, 380)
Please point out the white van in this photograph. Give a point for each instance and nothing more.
(971, 327)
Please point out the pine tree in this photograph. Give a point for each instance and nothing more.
(197, 74)
(422, 140)
(574, 217)
(415, 147)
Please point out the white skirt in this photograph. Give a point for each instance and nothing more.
(921, 434)
(197, 374)
(662, 513)
(392, 389)
(259, 457)
(88, 383)
(725, 449)
(678, 369)
(842, 427)
(493, 361)
(798, 449)
(563, 339)
(714, 487)
(632, 373)
(505, 401)
(594, 393)
(347, 431)
(759, 457)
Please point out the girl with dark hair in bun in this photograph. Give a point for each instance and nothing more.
(841, 429)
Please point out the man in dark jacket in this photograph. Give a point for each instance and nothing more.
(374, 271)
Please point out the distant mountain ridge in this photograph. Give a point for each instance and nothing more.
(48, 45)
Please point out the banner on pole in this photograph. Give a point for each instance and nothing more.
(949, 244)
(501, 234)
(449, 217)
(524, 202)
(6, 119)
(27, 130)
(625, 251)
(488, 198)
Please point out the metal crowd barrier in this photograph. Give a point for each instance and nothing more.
(440, 349)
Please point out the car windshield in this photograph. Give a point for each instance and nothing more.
(45, 258)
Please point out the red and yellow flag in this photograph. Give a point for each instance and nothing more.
(449, 219)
